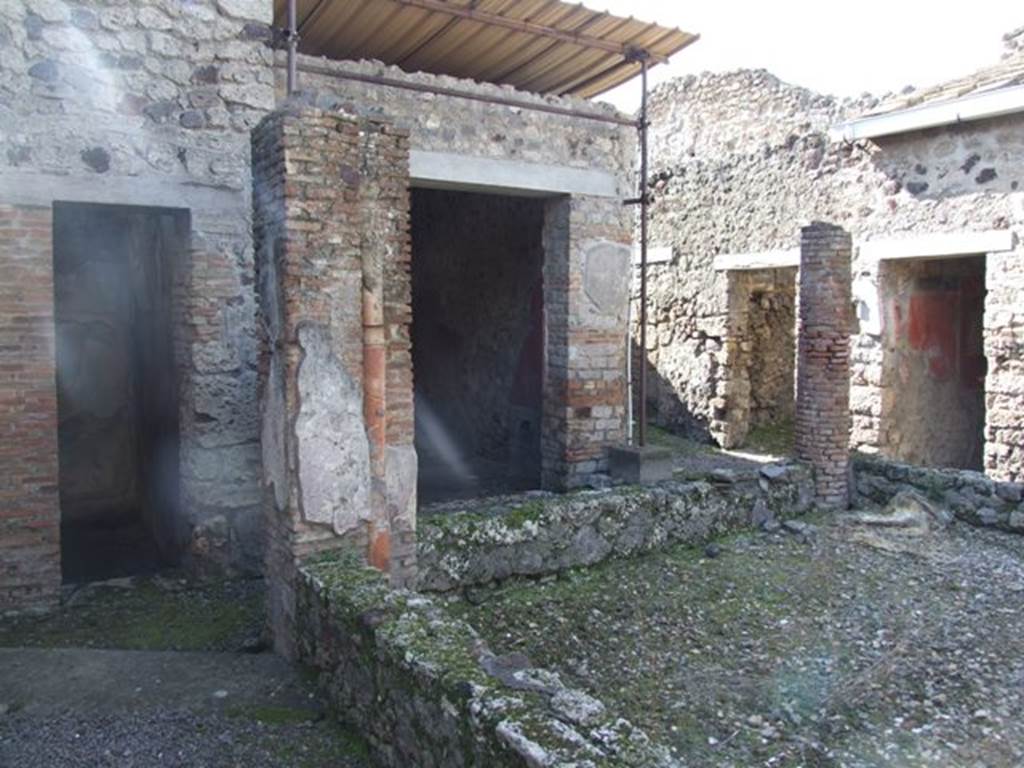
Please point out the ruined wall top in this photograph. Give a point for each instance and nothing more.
(733, 113)
(1014, 43)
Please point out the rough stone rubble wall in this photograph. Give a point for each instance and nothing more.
(533, 536)
(331, 227)
(755, 152)
(970, 496)
(424, 689)
(151, 103)
(586, 238)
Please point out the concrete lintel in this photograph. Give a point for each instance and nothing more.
(938, 245)
(448, 170)
(660, 255)
(24, 188)
(787, 257)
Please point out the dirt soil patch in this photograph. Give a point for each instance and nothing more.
(805, 647)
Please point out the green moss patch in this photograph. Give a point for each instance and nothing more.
(155, 614)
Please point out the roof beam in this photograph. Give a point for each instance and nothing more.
(529, 27)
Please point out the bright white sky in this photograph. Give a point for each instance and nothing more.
(842, 48)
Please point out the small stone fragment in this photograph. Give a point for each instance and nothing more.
(576, 707)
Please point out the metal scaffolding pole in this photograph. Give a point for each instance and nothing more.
(643, 201)
(293, 46)
(642, 436)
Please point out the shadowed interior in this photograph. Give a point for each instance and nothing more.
(114, 288)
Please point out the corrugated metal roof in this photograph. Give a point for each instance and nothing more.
(544, 46)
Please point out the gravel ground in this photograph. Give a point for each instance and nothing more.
(168, 739)
(147, 704)
(826, 648)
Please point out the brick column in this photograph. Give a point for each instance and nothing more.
(331, 232)
(823, 360)
(29, 500)
(586, 293)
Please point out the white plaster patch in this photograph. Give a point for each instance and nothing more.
(333, 450)
(272, 437)
(869, 307)
(400, 476)
(606, 275)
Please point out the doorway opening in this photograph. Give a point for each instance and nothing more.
(933, 370)
(117, 386)
(478, 342)
(762, 308)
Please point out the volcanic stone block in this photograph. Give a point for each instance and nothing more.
(636, 464)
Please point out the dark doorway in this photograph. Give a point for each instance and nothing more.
(117, 388)
(478, 342)
(933, 372)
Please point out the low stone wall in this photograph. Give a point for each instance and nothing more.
(424, 689)
(538, 534)
(971, 496)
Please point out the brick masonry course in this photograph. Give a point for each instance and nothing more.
(29, 504)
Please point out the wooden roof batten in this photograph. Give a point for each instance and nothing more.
(529, 27)
(548, 47)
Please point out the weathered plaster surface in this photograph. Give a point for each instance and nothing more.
(333, 453)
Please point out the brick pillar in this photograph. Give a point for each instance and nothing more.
(29, 501)
(823, 360)
(331, 217)
(586, 293)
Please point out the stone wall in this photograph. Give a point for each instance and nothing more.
(472, 127)
(424, 689)
(970, 496)
(538, 534)
(151, 103)
(755, 151)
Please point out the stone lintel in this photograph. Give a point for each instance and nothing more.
(448, 170)
(783, 257)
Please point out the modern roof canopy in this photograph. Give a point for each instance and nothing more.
(543, 46)
(989, 92)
